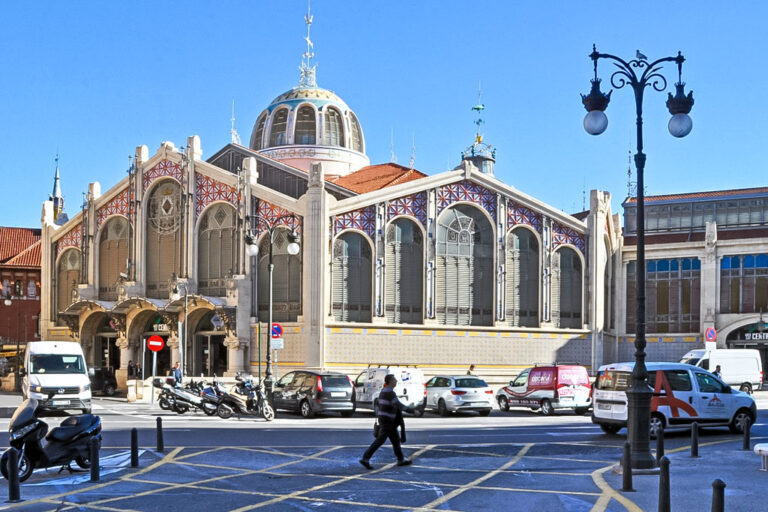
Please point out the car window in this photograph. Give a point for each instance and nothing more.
(442, 382)
(521, 379)
(679, 380)
(335, 381)
(705, 364)
(432, 382)
(307, 380)
(540, 377)
(56, 363)
(287, 378)
(362, 378)
(470, 383)
(708, 383)
(611, 380)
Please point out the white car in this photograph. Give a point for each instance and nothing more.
(409, 388)
(446, 394)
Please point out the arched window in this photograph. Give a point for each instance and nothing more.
(464, 291)
(216, 249)
(403, 271)
(356, 134)
(277, 136)
(566, 289)
(351, 276)
(522, 279)
(258, 136)
(67, 277)
(334, 128)
(113, 256)
(286, 279)
(305, 126)
(163, 237)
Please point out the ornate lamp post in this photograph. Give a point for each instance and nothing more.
(252, 248)
(595, 123)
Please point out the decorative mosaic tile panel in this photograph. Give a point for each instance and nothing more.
(271, 213)
(118, 205)
(363, 219)
(414, 205)
(209, 190)
(564, 235)
(466, 191)
(163, 168)
(518, 214)
(72, 239)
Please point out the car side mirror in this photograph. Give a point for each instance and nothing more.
(511, 383)
(728, 389)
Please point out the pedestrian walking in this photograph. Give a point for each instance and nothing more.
(717, 373)
(471, 370)
(131, 369)
(176, 373)
(387, 417)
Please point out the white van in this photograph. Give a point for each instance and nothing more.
(410, 388)
(741, 368)
(55, 375)
(682, 394)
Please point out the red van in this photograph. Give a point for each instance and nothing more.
(550, 387)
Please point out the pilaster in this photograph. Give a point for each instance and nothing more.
(709, 282)
(315, 259)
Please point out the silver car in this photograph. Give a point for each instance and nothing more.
(446, 394)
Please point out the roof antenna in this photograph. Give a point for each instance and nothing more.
(392, 157)
(234, 136)
(307, 78)
(584, 194)
(413, 151)
(629, 173)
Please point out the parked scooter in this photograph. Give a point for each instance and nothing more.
(245, 398)
(66, 443)
(181, 400)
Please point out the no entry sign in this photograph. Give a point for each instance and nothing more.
(711, 334)
(277, 330)
(155, 343)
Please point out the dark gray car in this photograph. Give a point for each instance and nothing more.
(310, 392)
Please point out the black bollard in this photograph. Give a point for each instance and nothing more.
(626, 469)
(695, 439)
(14, 493)
(160, 444)
(664, 501)
(93, 445)
(134, 448)
(659, 445)
(747, 428)
(718, 496)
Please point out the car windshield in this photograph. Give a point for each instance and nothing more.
(614, 381)
(470, 383)
(335, 381)
(690, 360)
(56, 363)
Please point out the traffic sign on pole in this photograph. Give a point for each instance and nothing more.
(711, 334)
(155, 343)
(277, 330)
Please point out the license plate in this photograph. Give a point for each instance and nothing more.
(338, 393)
(604, 406)
(566, 398)
(60, 402)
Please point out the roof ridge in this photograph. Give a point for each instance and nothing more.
(34, 247)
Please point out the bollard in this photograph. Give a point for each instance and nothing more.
(659, 445)
(626, 469)
(160, 444)
(747, 428)
(718, 496)
(664, 501)
(93, 445)
(694, 439)
(134, 448)
(14, 493)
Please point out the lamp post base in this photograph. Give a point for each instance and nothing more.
(269, 386)
(638, 426)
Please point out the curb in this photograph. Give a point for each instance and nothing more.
(7, 412)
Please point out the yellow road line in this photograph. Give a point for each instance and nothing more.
(609, 493)
(78, 506)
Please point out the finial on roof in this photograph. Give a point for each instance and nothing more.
(413, 151)
(481, 154)
(307, 78)
(234, 136)
(392, 157)
(479, 109)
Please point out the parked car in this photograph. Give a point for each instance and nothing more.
(409, 388)
(310, 392)
(742, 368)
(550, 387)
(682, 394)
(103, 380)
(447, 394)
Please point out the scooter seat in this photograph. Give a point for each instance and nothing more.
(72, 426)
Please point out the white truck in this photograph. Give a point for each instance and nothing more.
(740, 368)
(55, 374)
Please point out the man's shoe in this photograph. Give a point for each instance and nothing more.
(366, 464)
(404, 462)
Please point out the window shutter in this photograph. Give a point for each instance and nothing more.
(513, 288)
(441, 290)
(556, 275)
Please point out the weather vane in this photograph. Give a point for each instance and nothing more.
(308, 71)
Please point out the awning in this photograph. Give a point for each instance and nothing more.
(78, 307)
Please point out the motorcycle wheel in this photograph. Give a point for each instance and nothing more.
(83, 461)
(25, 467)
(224, 411)
(210, 410)
(164, 404)
(180, 409)
(268, 412)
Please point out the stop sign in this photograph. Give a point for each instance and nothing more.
(155, 343)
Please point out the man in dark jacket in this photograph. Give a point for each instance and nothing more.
(389, 410)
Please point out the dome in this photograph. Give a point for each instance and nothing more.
(309, 124)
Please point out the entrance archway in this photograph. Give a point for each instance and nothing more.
(99, 341)
(155, 326)
(207, 355)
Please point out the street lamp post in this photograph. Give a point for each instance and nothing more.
(8, 302)
(595, 123)
(253, 250)
(183, 342)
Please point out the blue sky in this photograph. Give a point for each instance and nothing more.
(95, 79)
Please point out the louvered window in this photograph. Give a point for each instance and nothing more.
(286, 279)
(277, 136)
(67, 277)
(566, 289)
(744, 284)
(334, 128)
(356, 134)
(113, 256)
(258, 135)
(216, 249)
(464, 281)
(403, 271)
(305, 126)
(351, 279)
(163, 238)
(522, 278)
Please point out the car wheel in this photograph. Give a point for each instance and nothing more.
(25, 467)
(581, 411)
(546, 408)
(442, 410)
(109, 390)
(268, 412)
(484, 412)
(740, 420)
(610, 429)
(503, 403)
(224, 411)
(306, 409)
(656, 425)
(746, 387)
(419, 410)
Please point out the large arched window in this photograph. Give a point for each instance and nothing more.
(113, 256)
(351, 276)
(277, 136)
(67, 277)
(356, 134)
(305, 126)
(464, 291)
(258, 135)
(286, 279)
(566, 289)
(403, 270)
(334, 128)
(163, 238)
(216, 249)
(522, 279)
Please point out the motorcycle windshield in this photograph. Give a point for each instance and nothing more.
(24, 414)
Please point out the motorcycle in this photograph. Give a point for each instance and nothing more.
(65, 443)
(245, 398)
(181, 400)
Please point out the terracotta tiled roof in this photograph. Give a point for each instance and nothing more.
(13, 241)
(692, 196)
(376, 177)
(29, 257)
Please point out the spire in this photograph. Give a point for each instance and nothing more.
(234, 136)
(392, 157)
(56, 197)
(307, 78)
(479, 153)
(413, 152)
